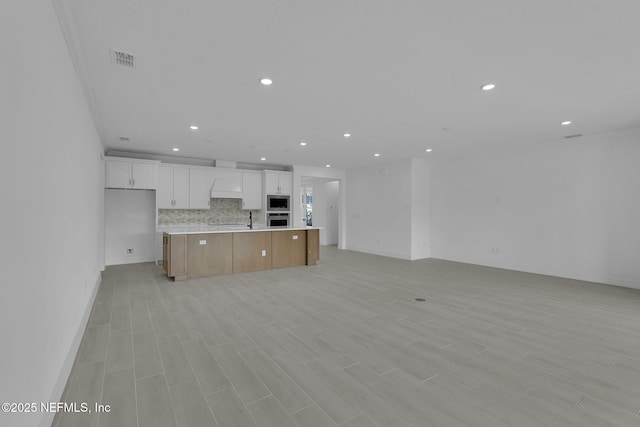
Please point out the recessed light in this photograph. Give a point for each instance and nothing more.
(263, 158)
(265, 81)
(488, 86)
(328, 166)
(303, 143)
(193, 127)
(376, 154)
(175, 149)
(346, 135)
(566, 123)
(428, 150)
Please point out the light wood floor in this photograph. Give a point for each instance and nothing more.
(345, 343)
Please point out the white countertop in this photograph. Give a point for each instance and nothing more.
(201, 229)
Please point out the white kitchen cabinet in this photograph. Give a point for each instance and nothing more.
(277, 182)
(226, 183)
(130, 173)
(251, 190)
(173, 187)
(200, 181)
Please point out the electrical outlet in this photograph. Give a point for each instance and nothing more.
(203, 242)
(264, 252)
(295, 237)
(130, 250)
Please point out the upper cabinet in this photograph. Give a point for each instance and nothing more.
(173, 187)
(193, 187)
(130, 173)
(251, 190)
(200, 182)
(276, 182)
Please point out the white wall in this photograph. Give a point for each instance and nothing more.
(379, 209)
(333, 212)
(420, 208)
(319, 192)
(129, 223)
(567, 209)
(52, 208)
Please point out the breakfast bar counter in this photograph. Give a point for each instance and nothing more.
(191, 252)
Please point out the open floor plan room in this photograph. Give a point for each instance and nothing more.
(347, 343)
(320, 213)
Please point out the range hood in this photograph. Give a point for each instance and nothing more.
(226, 184)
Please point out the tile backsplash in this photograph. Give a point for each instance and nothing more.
(222, 211)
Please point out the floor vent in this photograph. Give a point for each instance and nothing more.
(123, 58)
(420, 299)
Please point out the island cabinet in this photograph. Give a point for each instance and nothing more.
(188, 255)
(289, 248)
(251, 251)
(174, 255)
(313, 246)
(209, 254)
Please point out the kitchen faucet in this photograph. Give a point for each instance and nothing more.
(250, 225)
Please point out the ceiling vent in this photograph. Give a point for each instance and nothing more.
(123, 58)
(576, 135)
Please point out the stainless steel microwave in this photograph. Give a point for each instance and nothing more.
(278, 203)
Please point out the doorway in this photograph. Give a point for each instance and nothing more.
(320, 207)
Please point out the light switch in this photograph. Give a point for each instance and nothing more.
(264, 252)
(295, 237)
(203, 242)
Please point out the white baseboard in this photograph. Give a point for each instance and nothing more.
(605, 279)
(58, 389)
(138, 260)
(381, 253)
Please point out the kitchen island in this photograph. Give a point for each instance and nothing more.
(192, 252)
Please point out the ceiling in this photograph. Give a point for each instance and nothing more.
(399, 75)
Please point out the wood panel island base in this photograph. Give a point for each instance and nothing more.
(189, 255)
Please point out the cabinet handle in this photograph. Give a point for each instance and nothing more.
(134, 181)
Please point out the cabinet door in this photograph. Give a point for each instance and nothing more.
(288, 248)
(210, 254)
(181, 188)
(177, 263)
(271, 184)
(144, 176)
(164, 192)
(251, 251)
(199, 188)
(285, 183)
(251, 191)
(118, 174)
(313, 247)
